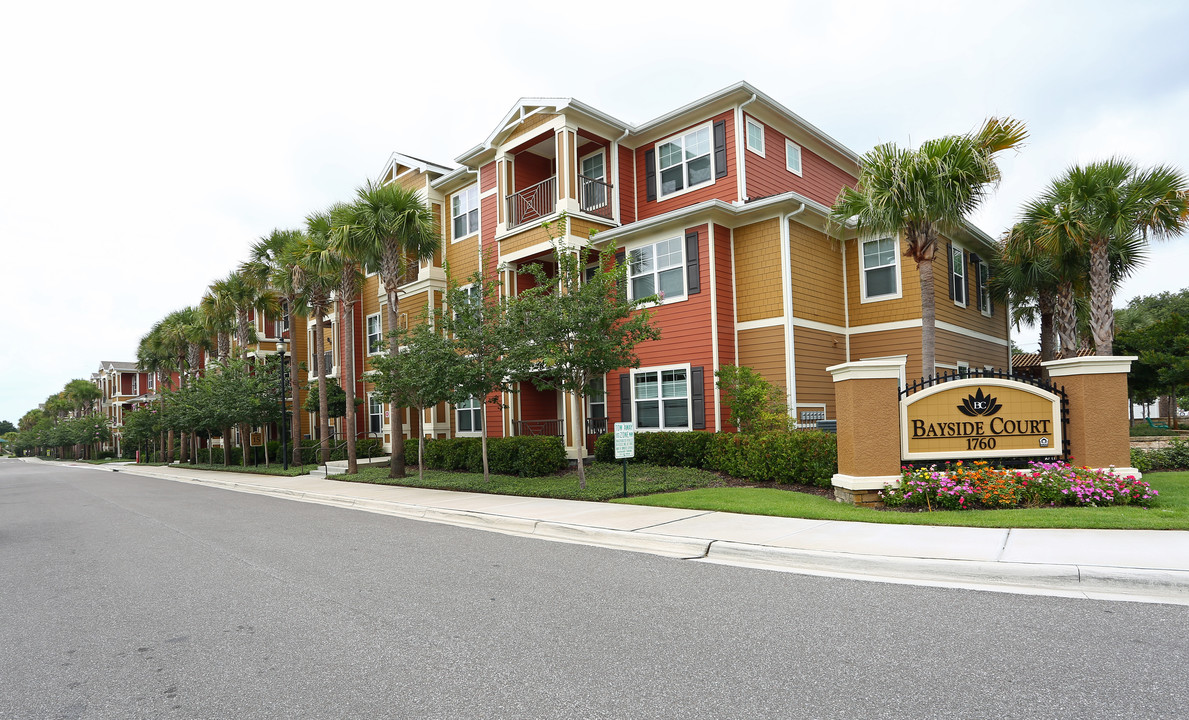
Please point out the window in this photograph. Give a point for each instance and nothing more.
(755, 137)
(958, 274)
(594, 194)
(470, 416)
(983, 273)
(596, 407)
(375, 414)
(375, 334)
(135, 384)
(880, 278)
(792, 157)
(661, 399)
(464, 209)
(684, 161)
(658, 269)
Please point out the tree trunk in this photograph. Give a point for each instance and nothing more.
(323, 411)
(226, 447)
(169, 449)
(421, 452)
(483, 442)
(1048, 340)
(294, 387)
(396, 464)
(928, 318)
(1102, 318)
(1067, 320)
(245, 440)
(348, 355)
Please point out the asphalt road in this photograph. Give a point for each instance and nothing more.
(133, 597)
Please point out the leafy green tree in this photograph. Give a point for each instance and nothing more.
(385, 229)
(753, 402)
(1110, 202)
(1163, 365)
(336, 399)
(577, 326)
(925, 192)
(7, 427)
(427, 371)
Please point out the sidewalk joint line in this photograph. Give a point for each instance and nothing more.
(667, 522)
(1003, 547)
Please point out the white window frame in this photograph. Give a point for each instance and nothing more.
(790, 146)
(958, 272)
(689, 410)
(591, 402)
(605, 200)
(755, 130)
(372, 400)
(462, 195)
(368, 334)
(864, 297)
(584, 158)
(473, 405)
(981, 290)
(656, 271)
(680, 138)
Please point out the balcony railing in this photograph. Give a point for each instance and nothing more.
(548, 428)
(594, 196)
(596, 426)
(532, 203)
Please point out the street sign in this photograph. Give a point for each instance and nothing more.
(625, 440)
(257, 439)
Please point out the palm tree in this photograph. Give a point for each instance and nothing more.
(385, 229)
(273, 263)
(1111, 202)
(925, 192)
(218, 314)
(245, 295)
(346, 292)
(316, 285)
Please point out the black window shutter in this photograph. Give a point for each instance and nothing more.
(650, 173)
(697, 397)
(692, 272)
(625, 397)
(720, 149)
(949, 264)
(619, 288)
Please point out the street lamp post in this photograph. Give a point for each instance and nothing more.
(284, 411)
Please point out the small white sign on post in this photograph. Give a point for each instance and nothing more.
(625, 440)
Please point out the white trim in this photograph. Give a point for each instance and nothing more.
(1093, 365)
(761, 323)
(815, 325)
(661, 196)
(867, 370)
(899, 292)
(916, 323)
(714, 331)
(967, 332)
(788, 145)
(627, 254)
(858, 482)
(367, 335)
(748, 122)
(450, 206)
(689, 396)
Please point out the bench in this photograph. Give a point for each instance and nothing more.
(1161, 425)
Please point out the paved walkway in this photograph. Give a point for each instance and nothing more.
(1136, 565)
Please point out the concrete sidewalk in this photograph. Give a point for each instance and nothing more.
(1135, 565)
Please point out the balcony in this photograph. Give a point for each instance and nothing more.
(548, 428)
(532, 203)
(594, 197)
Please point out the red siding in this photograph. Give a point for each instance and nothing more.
(769, 175)
(721, 189)
(487, 223)
(627, 186)
(487, 177)
(530, 169)
(537, 404)
(725, 293)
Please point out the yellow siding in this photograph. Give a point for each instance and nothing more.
(463, 258)
(526, 127)
(762, 350)
(757, 272)
(815, 351)
(907, 307)
(581, 228)
(412, 181)
(532, 235)
(816, 269)
(950, 348)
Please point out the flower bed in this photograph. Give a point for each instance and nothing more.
(978, 486)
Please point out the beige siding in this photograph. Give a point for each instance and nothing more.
(762, 350)
(463, 258)
(816, 274)
(757, 271)
(815, 351)
(950, 348)
(529, 124)
(532, 235)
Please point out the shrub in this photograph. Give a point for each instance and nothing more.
(808, 457)
(1173, 457)
(1146, 430)
(106, 455)
(525, 456)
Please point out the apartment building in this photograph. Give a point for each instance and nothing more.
(720, 205)
(124, 388)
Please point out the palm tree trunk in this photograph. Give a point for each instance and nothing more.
(323, 411)
(928, 318)
(1067, 320)
(396, 465)
(348, 355)
(1048, 340)
(294, 385)
(226, 447)
(1101, 292)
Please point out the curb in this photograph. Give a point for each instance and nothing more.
(1084, 581)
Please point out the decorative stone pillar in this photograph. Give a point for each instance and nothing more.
(1099, 429)
(867, 399)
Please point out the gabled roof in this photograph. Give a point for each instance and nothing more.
(399, 159)
(118, 365)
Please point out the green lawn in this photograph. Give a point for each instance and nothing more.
(603, 481)
(1169, 512)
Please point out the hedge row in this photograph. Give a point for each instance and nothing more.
(805, 457)
(1173, 457)
(527, 456)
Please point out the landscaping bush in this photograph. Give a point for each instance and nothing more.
(978, 486)
(525, 456)
(106, 455)
(1173, 457)
(1146, 430)
(806, 457)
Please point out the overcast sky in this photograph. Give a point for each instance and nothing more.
(144, 146)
